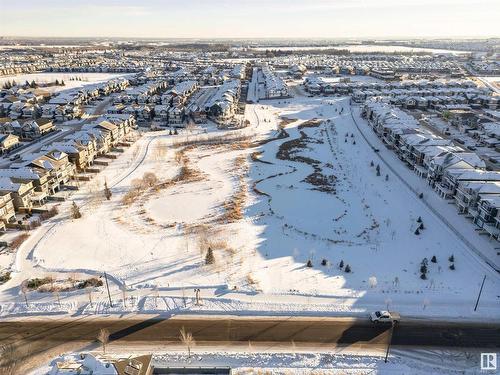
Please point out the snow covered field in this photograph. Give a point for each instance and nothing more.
(68, 78)
(297, 185)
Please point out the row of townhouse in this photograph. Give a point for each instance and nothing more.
(95, 139)
(421, 95)
(273, 85)
(21, 103)
(14, 69)
(360, 64)
(222, 105)
(31, 181)
(163, 106)
(27, 130)
(451, 171)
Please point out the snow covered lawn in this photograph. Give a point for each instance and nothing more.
(296, 186)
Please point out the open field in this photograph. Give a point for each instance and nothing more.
(282, 204)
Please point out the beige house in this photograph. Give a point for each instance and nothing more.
(7, 212)
(8, 142)
(22, 193)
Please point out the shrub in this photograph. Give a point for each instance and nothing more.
(75, 211)
(4, 277)
(18, 240)
(36, 282)
(50, 213)
(35, 224)
(92, 282)
(324, 262)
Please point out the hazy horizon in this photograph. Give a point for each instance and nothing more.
(251, 19)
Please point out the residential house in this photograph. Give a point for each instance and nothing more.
(21, 192)
(8, 142)
(7, 211)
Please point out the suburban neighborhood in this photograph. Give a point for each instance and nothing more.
(182, 192)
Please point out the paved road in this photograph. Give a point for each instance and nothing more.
(41, 339)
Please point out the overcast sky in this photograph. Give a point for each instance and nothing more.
(250, 18)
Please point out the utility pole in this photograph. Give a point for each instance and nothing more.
(389, 344)
(107, 287)
(480, 291)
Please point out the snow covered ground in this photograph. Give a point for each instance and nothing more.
(266, 199)
(68, 78)
(344, 361)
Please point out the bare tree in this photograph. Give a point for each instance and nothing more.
(103, 338)
(72, 279)
(57, 295)
(89, 294)
(123, 288)
(187, 339)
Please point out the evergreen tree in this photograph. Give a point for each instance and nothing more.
(107, 191)
(62, 83)
(421, 227)
(33, 84)
(371, 164)
(417, 231)
(451, 258)
(423, 268)
(434, 259)
(347, 268)
(75, 211)
(341, 264)
(175, 131)
(57, 82)
(324, 262)
(309, 263)
(387, 177)
(452, 266)
(210, 258)
(378, 170)
(419, 220)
